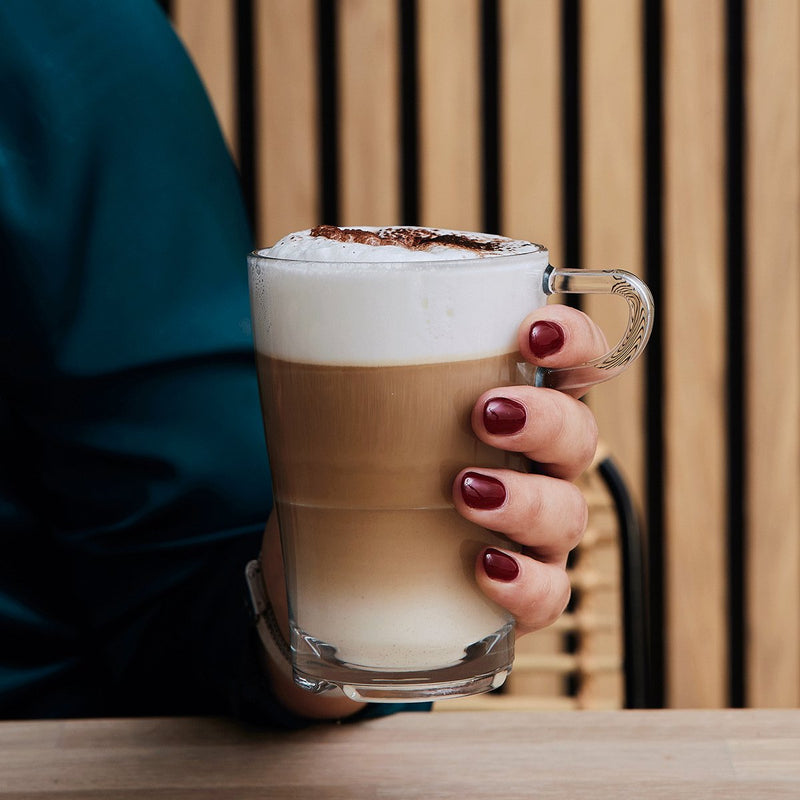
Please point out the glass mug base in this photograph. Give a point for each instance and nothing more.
(485, 666)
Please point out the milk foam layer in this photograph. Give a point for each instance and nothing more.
(321, 301)
(394, 243)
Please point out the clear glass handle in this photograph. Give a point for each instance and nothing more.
(633, 341)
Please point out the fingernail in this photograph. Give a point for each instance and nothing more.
(482, 492)
(546, 338)
(503, 416)
(499, 566)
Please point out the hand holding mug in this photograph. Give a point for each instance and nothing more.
(544, 513)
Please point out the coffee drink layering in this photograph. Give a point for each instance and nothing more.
(372, 346)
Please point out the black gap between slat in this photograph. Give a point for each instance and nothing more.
(245, 107)
(654, 364)
(736, 317)
(571, 126)
(409, 113)
(490, 107)
(328, 102)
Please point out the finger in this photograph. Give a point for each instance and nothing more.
(551, 428)
(545, 515)
(534, 592)
(560, 336)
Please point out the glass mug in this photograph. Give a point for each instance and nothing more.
(369, 362)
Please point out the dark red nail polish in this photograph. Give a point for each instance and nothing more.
(499, 566)
(546, 338)
(503, 416)
(482, 492)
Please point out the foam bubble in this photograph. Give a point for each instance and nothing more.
(317, 300)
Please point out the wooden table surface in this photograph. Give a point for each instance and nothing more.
(575, 754)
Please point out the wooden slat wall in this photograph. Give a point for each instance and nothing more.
(530, 89)
(613, 222)
(286, 128)
(449, 84)
(772, 328)
(370, 131)
(694, 327)
(671, 184)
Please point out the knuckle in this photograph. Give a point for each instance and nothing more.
(579, 518)
(537, 504)
(566, 596)
(555, 418)
(538, 607)
(564, 592)
(586, 444)
(548, 599)
(557, 598)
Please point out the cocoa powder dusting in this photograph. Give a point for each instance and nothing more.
(410, 238)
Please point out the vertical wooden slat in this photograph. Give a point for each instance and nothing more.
(285, 60)
(612, 158)
(206, 28)
(530, 128)
(695, 357)
(369, 84)
(773, 355)
(449, 84)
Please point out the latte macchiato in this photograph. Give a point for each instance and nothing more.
(373, 346)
